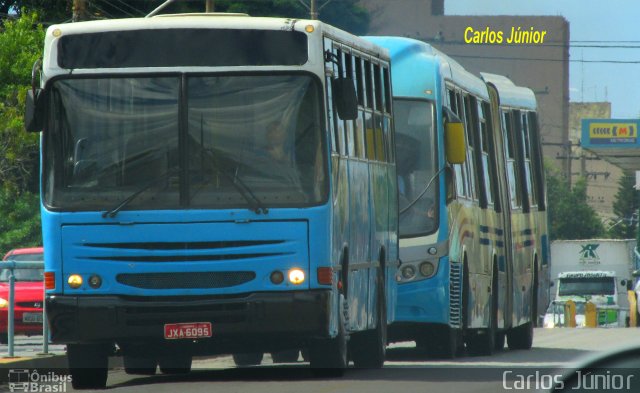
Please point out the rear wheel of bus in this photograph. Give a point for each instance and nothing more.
(368, 349)
(248, 359)
(139, 365)
(88, 365)
(175, 364)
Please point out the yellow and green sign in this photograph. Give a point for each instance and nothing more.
(610, 132)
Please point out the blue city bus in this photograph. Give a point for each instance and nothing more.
(215, 184)
(473, 234)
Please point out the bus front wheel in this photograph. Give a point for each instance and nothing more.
(368, 349)
(88, 365)
(328, 357)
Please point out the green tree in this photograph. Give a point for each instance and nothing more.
(345, 14)
(570, 217)
(625, 207)
(21, 43)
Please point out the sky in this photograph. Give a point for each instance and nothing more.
(614, 24)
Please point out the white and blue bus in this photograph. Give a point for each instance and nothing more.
(215, 184)
(473, 230)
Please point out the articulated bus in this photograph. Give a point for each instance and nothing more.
(473, 232)
(215, 184)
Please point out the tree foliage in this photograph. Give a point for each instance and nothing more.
(570, 217)
(625, 207)
(20, 45)
(345, 14)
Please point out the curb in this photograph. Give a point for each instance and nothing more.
(58, 361)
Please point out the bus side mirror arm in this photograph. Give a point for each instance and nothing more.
(34, 111)
(34, 114)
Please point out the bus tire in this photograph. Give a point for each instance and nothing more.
(520, 337)
(368, 349)
(247, 359)
(139, 365)
(286, 356)
(499, 341)
(175, 364)
(88, 365)
(328, 357)
(440, 343)
(482, 342)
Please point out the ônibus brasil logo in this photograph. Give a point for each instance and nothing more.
(23, 380)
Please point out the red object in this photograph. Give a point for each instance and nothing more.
(177, 331)
(29, 294)
(325, 275)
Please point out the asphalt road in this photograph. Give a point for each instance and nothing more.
(554, 351)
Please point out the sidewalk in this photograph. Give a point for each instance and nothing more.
(27, 353)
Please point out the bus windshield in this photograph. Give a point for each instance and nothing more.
(587, 286)
(415, 144)
(184, 142)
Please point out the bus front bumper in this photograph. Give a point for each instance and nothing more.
(262, 316)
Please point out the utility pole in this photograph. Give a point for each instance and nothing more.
(209, 6)
(313, 7)
(313, 10)
(79, 11)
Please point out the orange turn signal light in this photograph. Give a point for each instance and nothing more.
(49, 280)
(325, 275)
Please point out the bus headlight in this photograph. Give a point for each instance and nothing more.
(95, 281)
(296, 276)
(408, 272)
(427, 269)
(4, 303)
(276, 277)
(75, 281)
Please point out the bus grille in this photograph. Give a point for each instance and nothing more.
(185, 280)
(455, 294)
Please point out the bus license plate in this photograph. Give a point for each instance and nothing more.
(32, 317)
(176, 331)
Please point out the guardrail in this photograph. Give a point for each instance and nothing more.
(11, 265)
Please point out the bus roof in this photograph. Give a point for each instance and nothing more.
(206, 21)
(509, 94)
(416, 65)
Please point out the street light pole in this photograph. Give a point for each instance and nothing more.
(209, 6)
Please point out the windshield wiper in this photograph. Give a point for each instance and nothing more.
(410, 204)
(255, 204)
(112, 212)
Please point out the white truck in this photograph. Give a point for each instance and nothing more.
(597, 287)
(602, 255)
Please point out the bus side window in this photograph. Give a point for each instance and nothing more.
(460, 169)
(489, 155)
(526, 143)
(470, 131)
(512, 173)
(537, 161)
(360, 124)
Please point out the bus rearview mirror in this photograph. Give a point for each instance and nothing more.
(34, 111)
(454, 142)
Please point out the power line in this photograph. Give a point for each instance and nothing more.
(541, 59)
